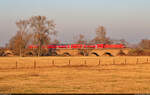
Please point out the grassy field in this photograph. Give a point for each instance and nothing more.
(30, 62)
(76, 77)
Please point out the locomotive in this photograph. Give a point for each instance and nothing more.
(80, 46)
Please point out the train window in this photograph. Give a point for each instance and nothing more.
(76, 46)
(51, 46)
(61, 46)
(90, 46)
(100, 45)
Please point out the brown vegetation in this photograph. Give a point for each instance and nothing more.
(101, 36)
(139, 52)
(145, 44)
(42, 28)
(37, 31)
(77, 79)
(81, 39)
(20, 41)
(121, 53)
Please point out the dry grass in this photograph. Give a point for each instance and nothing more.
(28, 62)
(79, 78)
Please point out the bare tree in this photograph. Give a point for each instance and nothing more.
(56, 42)
(124, 42)
(42, 28)
(145, 44)
(81, 39)
(101, 36)
(22, 37)
(2, 51)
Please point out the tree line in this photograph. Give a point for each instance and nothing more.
(37, 30)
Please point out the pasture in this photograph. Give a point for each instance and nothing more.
(75, 74)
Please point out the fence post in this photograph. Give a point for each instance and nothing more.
(137, 61)
(85, 62)
(99, 62)
(16, 64)
(53, 61)
(125, 61)
(34, 63)
(113, 61)
(69, 61)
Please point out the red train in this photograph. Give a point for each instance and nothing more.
(80, 46)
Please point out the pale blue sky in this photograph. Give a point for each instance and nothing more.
(128, 19)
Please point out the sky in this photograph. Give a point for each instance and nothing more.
(123, 19)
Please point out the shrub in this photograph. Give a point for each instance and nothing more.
(2, 52)
(139, 52)
(121, 53)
